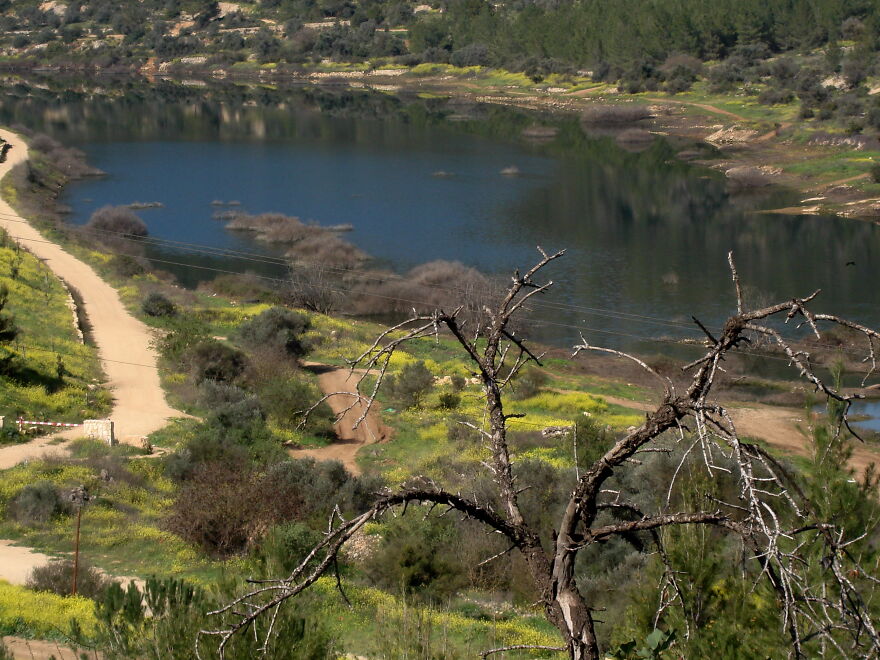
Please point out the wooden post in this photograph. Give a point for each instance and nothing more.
(76, 550)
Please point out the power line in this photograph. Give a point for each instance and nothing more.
(278, 261)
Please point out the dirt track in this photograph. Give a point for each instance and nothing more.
(783, 428)
(350, 440)
(124, 343)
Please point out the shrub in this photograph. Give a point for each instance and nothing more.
(57, 577)
(38, 502)
(9, 435)
(117, 220)
(413, 558)
(410, 385)
(450, 400)
(276, 327)
(226, 507)
(875, 172)
(286, 545)
(125, 265)
(528, 383)
(286, 399)
(471, 55)
(775, 96)
(158, 305)
(222, 508)
(616, 114)
(213, 360)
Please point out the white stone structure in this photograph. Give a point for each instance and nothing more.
(99, 429)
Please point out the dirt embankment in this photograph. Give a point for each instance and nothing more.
(124, 343)
(338, 383)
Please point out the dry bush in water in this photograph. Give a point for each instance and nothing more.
(114, 222)
(434, 285)
(310, 243)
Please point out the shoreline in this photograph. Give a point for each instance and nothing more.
(773, 150)
(124, 344)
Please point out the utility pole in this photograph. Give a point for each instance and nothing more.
(78, 496)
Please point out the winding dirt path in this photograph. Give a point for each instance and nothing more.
(123, 342)
(339, 381)
(840, 182)
(783, 428)
(702, 106)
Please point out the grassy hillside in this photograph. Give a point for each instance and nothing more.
(53, 374)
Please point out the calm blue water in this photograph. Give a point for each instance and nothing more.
(646, 234)
(400, 211)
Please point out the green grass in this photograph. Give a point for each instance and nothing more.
(31, 388)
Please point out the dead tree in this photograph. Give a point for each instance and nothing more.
(826, 602)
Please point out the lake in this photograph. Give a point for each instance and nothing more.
(646, 234)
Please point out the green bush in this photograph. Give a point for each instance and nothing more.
(528, 383)
(57, 577)
(450, 400)
(413, 558)
(276, 328)
(409, 387)
(37, 502)
(158, 305)
(213, 360)
(875, 172)
(162, 623)
(285, 401)
(286, 545)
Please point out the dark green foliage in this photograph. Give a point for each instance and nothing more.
(286, 545)
(450, 400)
(409, 386)
(214, 360)
(125, 265)
(654, 646)
(528, 383)
(37, 502)
(276, 328)
(414, 558)
(8, 329)
(285, 400)
(155, 304)
(162, 621)
(875, 172)
(9, 435)
(57, 578)
(184, 335)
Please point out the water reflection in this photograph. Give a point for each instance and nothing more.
(647, 235)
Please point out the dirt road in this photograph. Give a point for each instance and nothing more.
(36, 649)
(350, 440)
(123, 342)
(783, 428)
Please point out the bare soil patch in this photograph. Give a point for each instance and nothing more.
(338, 381)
